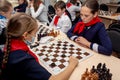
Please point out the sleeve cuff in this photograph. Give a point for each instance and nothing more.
(94, 46)
(73, 38)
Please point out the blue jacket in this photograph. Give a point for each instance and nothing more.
(98, 37)
(22, 66)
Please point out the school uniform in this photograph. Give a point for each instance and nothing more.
(3, 24)
(23, 64)
(73, 9)
(62, 23)
(40, 14)
(96, 34)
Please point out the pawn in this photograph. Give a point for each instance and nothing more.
(99, 66)
(93, 69)
(104, 67)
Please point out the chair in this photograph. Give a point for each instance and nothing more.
(104, 7)
(118, 10)
(51, 12)
(118, 2)
(114, 34)
(104, 10)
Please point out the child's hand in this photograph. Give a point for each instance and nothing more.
(83, 41)
(73, 61)
(30, 4)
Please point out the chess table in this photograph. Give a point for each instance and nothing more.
(111, 62)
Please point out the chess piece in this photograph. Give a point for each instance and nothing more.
(52, 65)
(38, 37)
(99, 66)
(85, 75)
(104, 67)
(93, 69)
(63, 55)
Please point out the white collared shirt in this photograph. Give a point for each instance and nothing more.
(64, 23)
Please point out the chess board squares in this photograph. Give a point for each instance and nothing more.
(46, 59)
(61, 66)
(55, 55)
(79, 57)
(78, 49)
(56, 51)
(40, 54)
(86, 53)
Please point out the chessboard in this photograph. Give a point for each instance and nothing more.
(43, 30)
(55, 55)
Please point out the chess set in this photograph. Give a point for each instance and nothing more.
(44, 31)
(101, 72)
(44, 35)
(55, 55)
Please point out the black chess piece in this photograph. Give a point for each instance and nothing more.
(63, 55)
(93, 69)
(104, 67)
(38, 37)
(52, 64)
(109, 75)
(35, 45)
(99, 66)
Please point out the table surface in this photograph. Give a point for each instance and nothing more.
(112, 62)
(111, 17)
(113, 4)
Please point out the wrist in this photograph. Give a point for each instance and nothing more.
(88, 44)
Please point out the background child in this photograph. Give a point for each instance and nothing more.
(19, 61)
(90, 31)
(22, 6)
(61, 21)
(5, 13)
(73, 9)
(38, 10)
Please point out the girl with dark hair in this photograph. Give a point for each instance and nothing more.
(19, 62)
(90, 31)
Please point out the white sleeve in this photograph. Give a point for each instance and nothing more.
(37, 13)
(27, 11)
(66, 25)
(95, 47)
(77, 8)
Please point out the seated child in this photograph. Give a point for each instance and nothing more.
(22, 6)
(90, 31)
(5, 13)
(38, 10)
(61, 21)
(19, 61)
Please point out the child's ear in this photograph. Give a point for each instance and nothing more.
(96, 14)
(25, 34)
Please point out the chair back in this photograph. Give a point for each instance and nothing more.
(114, 34)
(104, 7)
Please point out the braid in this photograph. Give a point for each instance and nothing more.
(5, 57)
